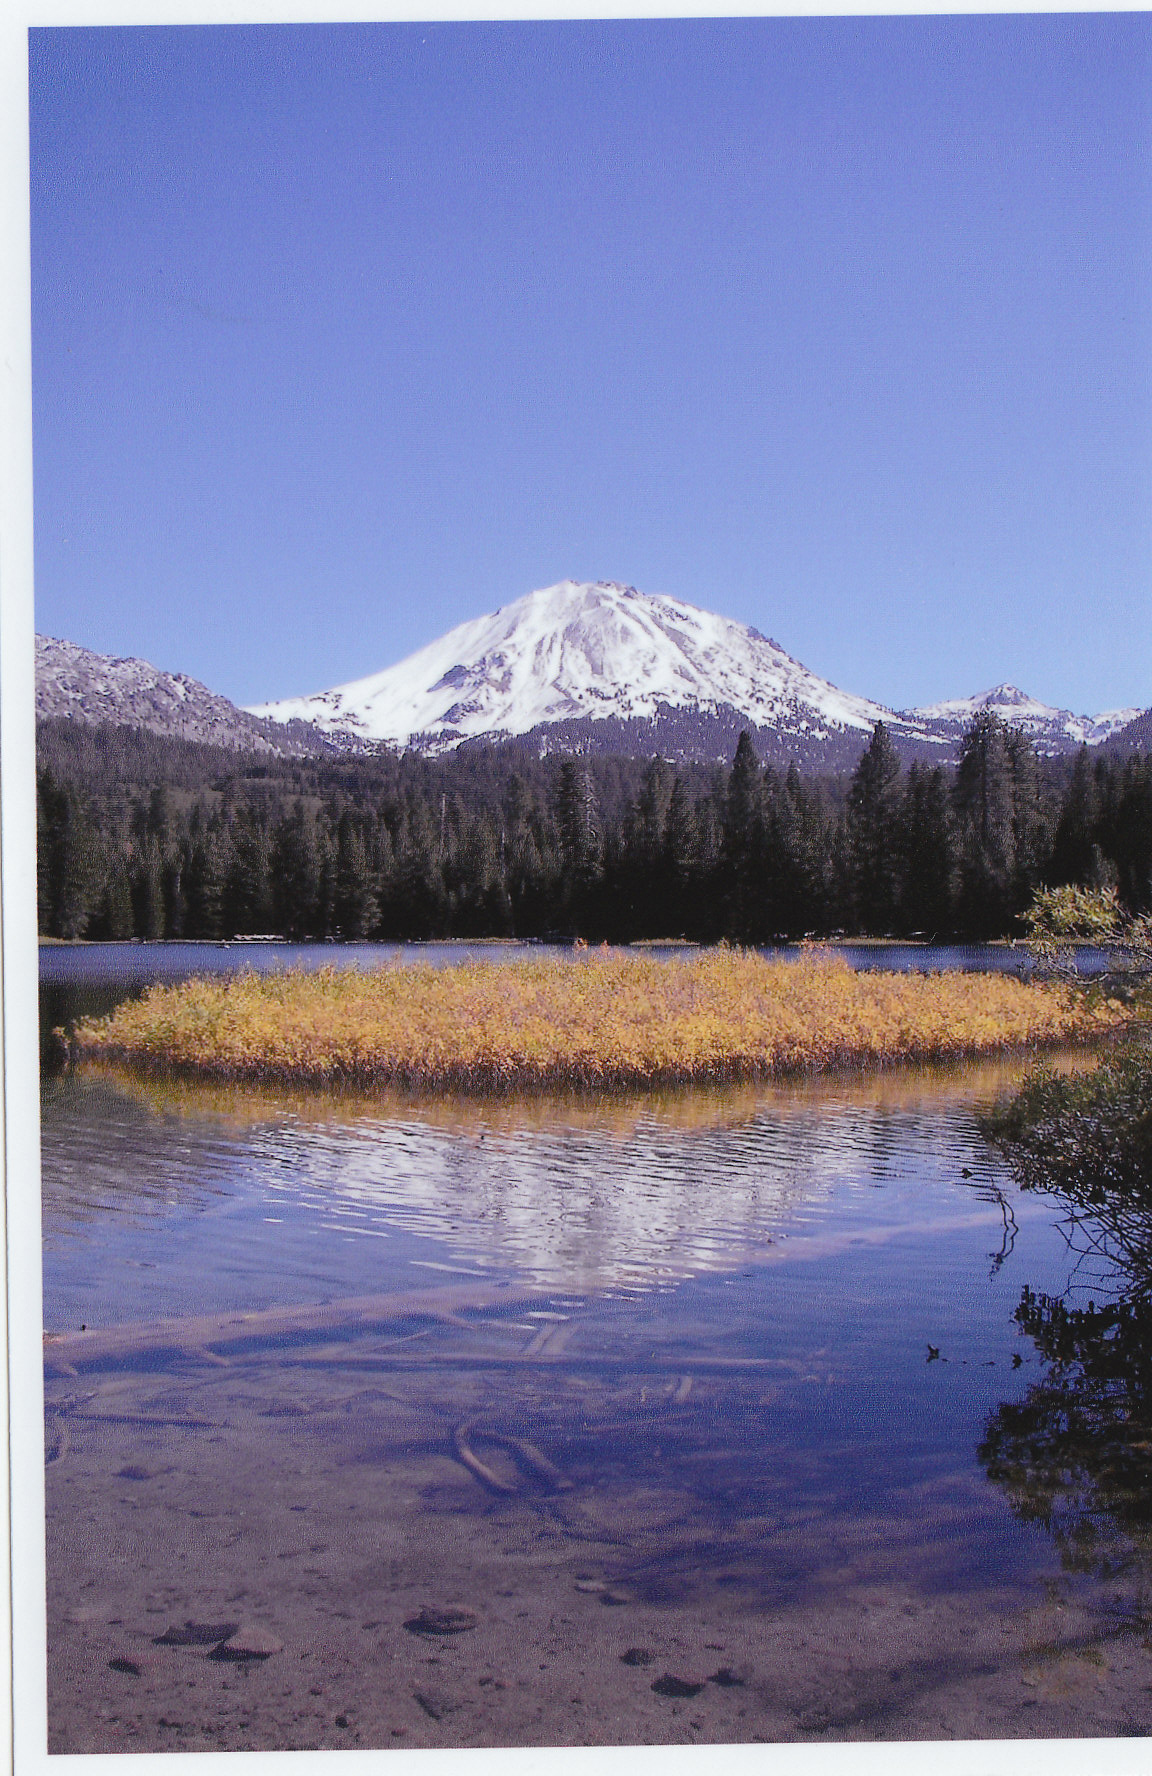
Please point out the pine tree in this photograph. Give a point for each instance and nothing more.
(148, 889)
(681, 860)
(983, 800)
(1031, 822)
(1075, 833)
(356, 910)
(70, 860)
(928, 854)
(800, 846)
(296, 873)
(743, 844)
(1126, 836)
(637, 880)
(246, 903)
(206, 873)
(872, 833)
(580, 842)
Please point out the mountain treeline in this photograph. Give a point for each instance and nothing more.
(140, 836)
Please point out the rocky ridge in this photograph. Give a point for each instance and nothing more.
(82, 686)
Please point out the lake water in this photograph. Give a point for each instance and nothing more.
(128, 967)
(653, 1420)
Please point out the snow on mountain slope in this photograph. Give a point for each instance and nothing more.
(576, 668)
(575, 651)
(1048, 728)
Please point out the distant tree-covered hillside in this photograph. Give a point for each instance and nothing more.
(145, 836)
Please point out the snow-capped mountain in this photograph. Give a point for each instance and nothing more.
(572, 668)
(1050, 730)
(572, 656)
(72, 681)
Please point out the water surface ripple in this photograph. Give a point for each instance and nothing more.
(724, 1361)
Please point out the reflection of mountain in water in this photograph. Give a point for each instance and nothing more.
(312, 1193)
(595, 1208)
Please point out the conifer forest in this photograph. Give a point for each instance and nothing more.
(145, 836)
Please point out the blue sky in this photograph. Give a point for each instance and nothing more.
(842, 327)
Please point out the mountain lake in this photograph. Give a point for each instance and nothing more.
(661, 1419)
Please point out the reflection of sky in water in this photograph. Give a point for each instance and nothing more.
(779, 1325)
(167, 1206)
(809, 1247)
(128, 966)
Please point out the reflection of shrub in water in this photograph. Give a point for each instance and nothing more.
(1075, 1455)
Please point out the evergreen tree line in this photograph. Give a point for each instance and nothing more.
(141, 837)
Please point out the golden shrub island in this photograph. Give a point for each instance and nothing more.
(603, 1019)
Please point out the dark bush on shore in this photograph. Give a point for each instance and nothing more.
(1087, 1136)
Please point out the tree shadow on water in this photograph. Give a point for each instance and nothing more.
(1074, 1456)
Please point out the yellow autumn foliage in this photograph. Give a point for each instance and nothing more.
(601, 1020)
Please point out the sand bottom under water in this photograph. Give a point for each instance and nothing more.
(293, 1550)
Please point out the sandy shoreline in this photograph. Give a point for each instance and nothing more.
(671, 1591)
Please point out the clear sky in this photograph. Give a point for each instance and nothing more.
(842, 327)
